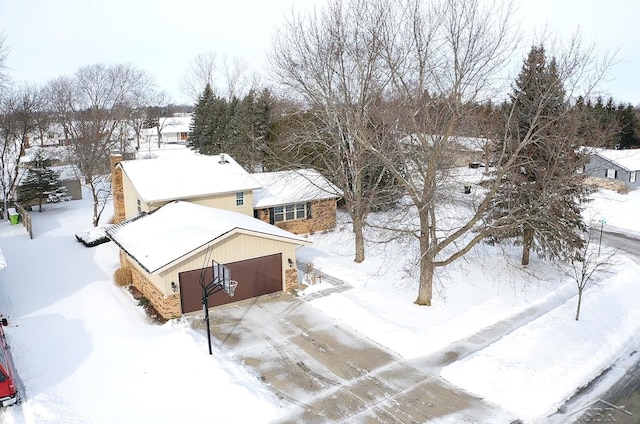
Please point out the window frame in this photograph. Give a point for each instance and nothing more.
(290, 212)
(240, 198)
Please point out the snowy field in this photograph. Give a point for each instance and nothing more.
(86, 352)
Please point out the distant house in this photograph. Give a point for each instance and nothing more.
(460, 151)
(213, 196)
(173, 129)
(51, 137)
(622, 166)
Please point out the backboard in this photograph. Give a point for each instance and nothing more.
(222, 277)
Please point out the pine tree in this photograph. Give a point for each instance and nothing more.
(42, 184)
(629, 127)
(538, 204)
(200, 130)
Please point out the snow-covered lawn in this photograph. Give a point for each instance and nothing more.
(521, 371)
(86, 352)
(534, 369)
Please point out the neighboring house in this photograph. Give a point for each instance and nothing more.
(461, 151)
(622, 166)
(171, 249)
(218, 190)
(69, 178)
(53, 136)
(300, 201)
(469, 151)
(173, 129)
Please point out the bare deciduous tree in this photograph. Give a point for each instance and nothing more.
(4, 53)
(330, 60)
(227, 76)
(582, 267)
(200, 72)
(91, 106)
(414, 71)
(18, 111)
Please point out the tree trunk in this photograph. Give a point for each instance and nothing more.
(579, 303)
(358, 231)
(96, 204)
(527, 242)
(425, 291)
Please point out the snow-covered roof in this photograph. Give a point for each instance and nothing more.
(66, 172)
(475, 144)
(627, 159)
(285, 187)
(187, 176)
(176, 124)
(180, 228)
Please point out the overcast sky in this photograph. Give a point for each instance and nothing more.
(49, 38)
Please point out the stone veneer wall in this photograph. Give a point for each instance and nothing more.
(167, 306)
(117, 188)
(290, 279)
(323, 218)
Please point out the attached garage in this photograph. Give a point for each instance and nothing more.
(256, 277)
(168, 248)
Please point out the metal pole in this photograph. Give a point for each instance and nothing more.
(205, 301)
(600, 241)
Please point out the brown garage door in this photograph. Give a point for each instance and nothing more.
(255, 277)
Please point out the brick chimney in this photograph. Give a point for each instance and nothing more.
(117, 188)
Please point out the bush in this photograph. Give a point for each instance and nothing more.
(95, 236)
(122, 276)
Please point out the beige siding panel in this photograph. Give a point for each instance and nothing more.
(223, 201)
(131, 198)
(227, 202)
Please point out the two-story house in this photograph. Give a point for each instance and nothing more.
(175, 216)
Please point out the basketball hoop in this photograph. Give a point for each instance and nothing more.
(232, 287)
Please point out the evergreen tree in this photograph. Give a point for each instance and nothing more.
(200, 130)
(629, 128)
(240, 127)
(42, 184)
(538, 204)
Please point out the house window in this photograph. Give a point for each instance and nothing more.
(611, 173)
(240, 199)
(632, 176)
(139, 206)
(290, 212)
